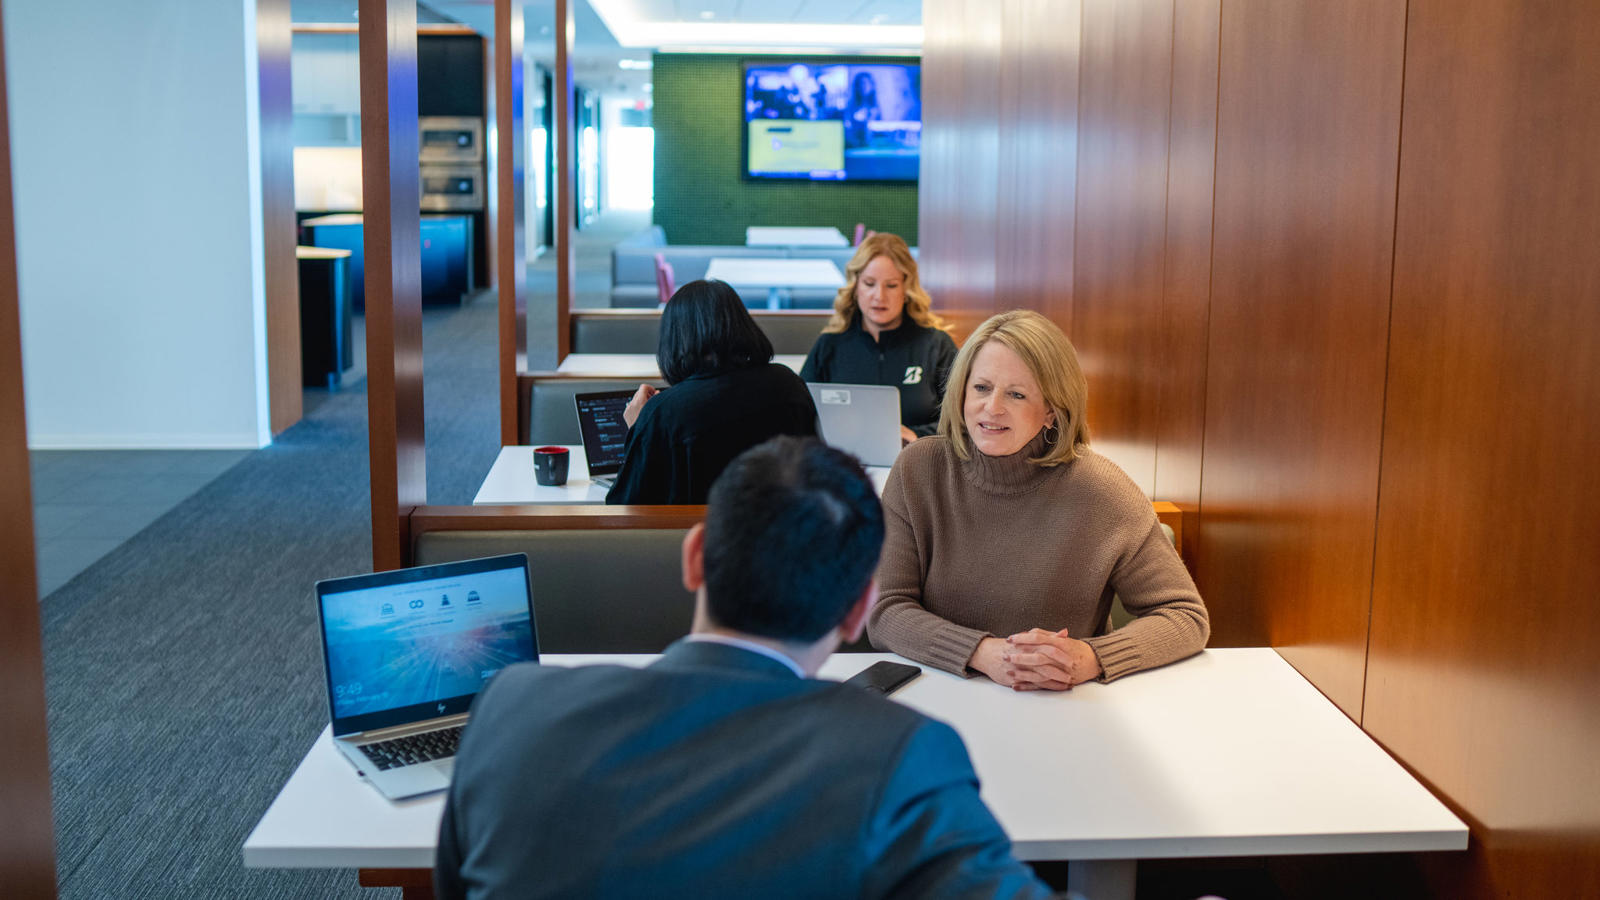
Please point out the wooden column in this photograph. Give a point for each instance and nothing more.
(511, 260)
(1308, 143)
(1125, 86)
(1481, 673)
(274, 33)
(1186, 294)
(566, 185)
(391, 197)
(27, 855)
(960, 178)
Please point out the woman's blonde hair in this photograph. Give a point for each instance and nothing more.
(1053, 362)
(919, 306)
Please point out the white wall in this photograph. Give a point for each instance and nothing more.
(136, 166)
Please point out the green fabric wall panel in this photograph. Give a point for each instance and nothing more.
(700, 196)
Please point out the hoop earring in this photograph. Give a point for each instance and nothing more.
(1051, 440)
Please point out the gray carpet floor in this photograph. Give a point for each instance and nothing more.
(183, 669)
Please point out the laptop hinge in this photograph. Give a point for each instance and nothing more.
(395, 731)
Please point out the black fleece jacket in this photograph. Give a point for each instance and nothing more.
(687, 434)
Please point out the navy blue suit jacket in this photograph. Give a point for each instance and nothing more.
(714, 772)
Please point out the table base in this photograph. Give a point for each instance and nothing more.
(1102, 879)
(414, 884)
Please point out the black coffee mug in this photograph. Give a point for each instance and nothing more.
(550, 465)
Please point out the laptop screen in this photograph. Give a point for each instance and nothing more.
(605, 434)
(415, 644)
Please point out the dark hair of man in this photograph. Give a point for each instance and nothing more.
(705, 330)
(793, 532)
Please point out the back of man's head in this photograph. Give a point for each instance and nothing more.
(793, 532)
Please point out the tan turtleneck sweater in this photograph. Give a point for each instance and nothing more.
(993, 546)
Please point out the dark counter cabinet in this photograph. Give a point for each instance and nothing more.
(325, 350)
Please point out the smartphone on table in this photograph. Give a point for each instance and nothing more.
(885, 677)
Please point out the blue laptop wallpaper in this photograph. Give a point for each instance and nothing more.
(408, 644)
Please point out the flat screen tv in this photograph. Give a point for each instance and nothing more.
(821, 120)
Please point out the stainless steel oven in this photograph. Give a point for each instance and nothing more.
(448, 139)
(451, 187)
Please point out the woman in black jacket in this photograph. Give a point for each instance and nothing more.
(725, 396)
(884, 331)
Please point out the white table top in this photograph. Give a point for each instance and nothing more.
(510, 480)
(806, 236)
(638, 365)
(762, 272)
(1229, 753)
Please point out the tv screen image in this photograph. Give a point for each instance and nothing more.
(820, 121)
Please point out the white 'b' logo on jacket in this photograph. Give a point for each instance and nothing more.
(913, 375)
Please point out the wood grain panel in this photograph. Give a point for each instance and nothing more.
(1180, 374)
(27, 855)
(279, 229)
(956, 205)
(1485, 651)
(1038, 168)
(511, 267)
(1307, 147)
(1123, 105)
(391, 194)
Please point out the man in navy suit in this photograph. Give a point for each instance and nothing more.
(724, 769)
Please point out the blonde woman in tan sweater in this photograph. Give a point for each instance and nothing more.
(1007, 536)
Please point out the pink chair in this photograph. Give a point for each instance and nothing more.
(861, 233)
(665, 286)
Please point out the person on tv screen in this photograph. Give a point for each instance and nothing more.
(1011, 473)
(884, 331)
(861, 109)
(726, 395)
(807, 97)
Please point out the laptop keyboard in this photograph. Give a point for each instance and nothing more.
(413, 749)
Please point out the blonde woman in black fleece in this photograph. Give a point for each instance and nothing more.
(884, 331)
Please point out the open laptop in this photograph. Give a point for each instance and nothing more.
(406, 653)
(605, 434)
(862, 419)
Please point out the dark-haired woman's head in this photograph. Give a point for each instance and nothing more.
(705, 330)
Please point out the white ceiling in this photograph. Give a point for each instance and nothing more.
(607, 31)
(851, 25)
(809, 12)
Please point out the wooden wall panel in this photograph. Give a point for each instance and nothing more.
(1308, 124)
(511, 266)
(1485, 653)
(1180, 371)
(956, 216)
(1038, 140)
(566, 175)
(279, 230)
(27, 854)
(391, 194)
(1124, 88)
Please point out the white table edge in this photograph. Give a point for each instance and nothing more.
(1308, 844)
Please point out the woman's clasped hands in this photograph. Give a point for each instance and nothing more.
(1036, 660)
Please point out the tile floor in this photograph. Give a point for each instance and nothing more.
(87, 502)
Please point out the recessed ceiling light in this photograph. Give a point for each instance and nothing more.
(707, 14)
(878, 19)
(634, 63)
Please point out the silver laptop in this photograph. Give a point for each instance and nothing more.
(406, 653)
(863, 419)
(605, 434)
